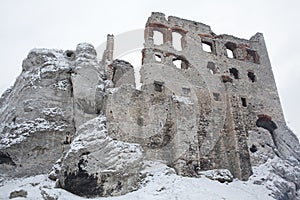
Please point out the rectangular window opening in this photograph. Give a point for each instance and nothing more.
(186, 91)
(244, 101)
(158, 86)
(216, 96)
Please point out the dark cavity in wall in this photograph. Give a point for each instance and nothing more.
(6, 159)
(252, 56)
(83, 184)
(158, 86)
(212, 67)
(234, 72)
(216, 96)
(253, 148)
(230, 48)
(265, 121)
(70, 54)
(244, 101)
(251, 76)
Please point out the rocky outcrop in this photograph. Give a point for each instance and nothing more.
(281, 177)
(55, 93)
(97, 165)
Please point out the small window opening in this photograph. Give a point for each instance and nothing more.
(157, 57)
(229, 53)
(158, 86)
(253, 148)
(230, 47)
(177, 41)
(244, 101)
(177, 63)
(212, 68)
(251, 76)
(234, 72)
(140, 121)
(181, 63)
(186, 91)
(252, 56)
(216, 96)
(158, 38)
(70, 54)
(207, 46)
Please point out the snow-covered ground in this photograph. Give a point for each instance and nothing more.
(161, 183)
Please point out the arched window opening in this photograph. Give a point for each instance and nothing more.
(229, 53)
(266, 122)
(230, 47)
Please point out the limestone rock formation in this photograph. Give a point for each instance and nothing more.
(55, 93)
(213, 112)
(98, 165)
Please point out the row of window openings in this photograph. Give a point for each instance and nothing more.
(233, 72)
(158, 86)
(176, 39)
(179, 63)
(230, 48)
(217, 97)
(206, 46)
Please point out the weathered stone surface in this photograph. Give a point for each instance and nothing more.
(97, 165)
(280, 176)
(123, 73)
(55, 93)
(191, 116)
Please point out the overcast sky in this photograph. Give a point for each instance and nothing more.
(65, 23)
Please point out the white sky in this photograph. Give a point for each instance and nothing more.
(65, 23)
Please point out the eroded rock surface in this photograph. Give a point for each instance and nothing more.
(97, 165)
(55, 93)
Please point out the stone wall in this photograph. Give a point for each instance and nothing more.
(199, 100)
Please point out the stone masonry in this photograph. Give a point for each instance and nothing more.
(199, 102)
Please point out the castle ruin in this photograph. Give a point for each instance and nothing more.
(198, 102)
(206, 102)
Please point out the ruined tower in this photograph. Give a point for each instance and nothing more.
(200, 100)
